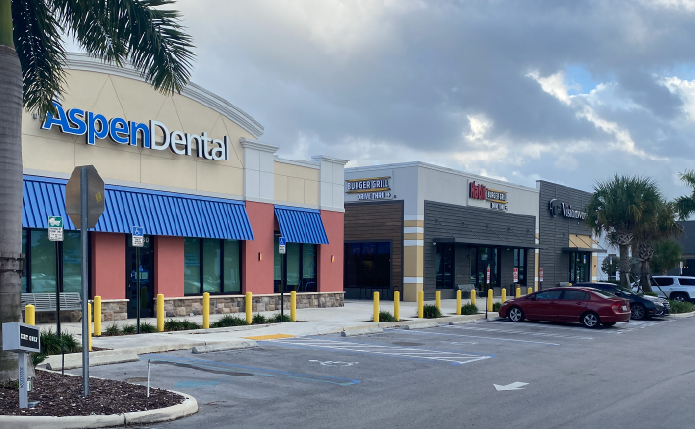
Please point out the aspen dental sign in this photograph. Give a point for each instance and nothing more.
(96, 127)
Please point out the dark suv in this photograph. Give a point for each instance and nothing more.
(641, 306)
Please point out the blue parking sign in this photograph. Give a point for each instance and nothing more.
(282, 241)
(138, 231)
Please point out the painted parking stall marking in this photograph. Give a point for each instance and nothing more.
(448, 334)
(454, 358)
(519, 332)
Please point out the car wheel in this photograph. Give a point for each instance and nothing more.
(637, 312)
(515, 314)
(608, 323)
(680, 297)
(591, 320)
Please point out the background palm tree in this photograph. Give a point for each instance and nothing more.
(667, 255)
(617, 208)
(652, 229)
(686, 204)
(32, 59)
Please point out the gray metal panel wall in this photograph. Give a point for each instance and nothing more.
(447, 220)
(554, 231)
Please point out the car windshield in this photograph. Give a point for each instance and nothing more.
(626, 291)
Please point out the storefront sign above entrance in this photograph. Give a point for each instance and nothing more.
(376, 188)
(556, 207)
(95, 126)
(497, 199)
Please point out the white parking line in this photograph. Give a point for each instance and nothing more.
(485, 338)
(518, 332)
(455, 358)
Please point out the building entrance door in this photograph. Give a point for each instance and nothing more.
(142, 266)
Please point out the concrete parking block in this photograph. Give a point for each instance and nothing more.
(228, 345)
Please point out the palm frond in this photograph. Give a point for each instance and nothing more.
(119, 30)
(38, 43)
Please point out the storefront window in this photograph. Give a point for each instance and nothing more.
(191, 264)
(520, 264)
(300, 271)
(368, 265)
(39, 275)
(24, 251)
(72, 262)
(444, 263)
(214, 264)
(485, 257)
(579, 267)
(43, 262)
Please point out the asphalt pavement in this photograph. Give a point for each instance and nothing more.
(486, 374)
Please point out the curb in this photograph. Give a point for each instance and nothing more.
(227, 345)
(72, 361)
(361, 331)
(187, 407)
(682, 315)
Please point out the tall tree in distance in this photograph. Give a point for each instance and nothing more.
(667, 256)
(32, 75)
(686, 204)
(617, 208)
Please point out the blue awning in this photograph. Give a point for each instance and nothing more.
(301, 225)
(160, 213)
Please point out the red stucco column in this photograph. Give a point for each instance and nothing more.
(108, 265)
(330, 264)
(257, 275)
(168, 266)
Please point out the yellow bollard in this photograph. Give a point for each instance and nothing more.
(89, 320)
(504, 295)
(249, 307)
(30, 314)
(489, 300)
(397, 305)
(473, 297)
(421, 304)
(530, 290)
(458, 302)
(206, 310)
(293, 306)
(438, 299)
(518, 292)
(160, 312)
(376, 306)
(97, 316)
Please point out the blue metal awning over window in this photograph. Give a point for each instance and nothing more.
(160, 213)
(301, 225)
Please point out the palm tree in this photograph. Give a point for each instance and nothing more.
(617, 208)
(32, 58)
(667, 255)
(652, 229)
(686, 204)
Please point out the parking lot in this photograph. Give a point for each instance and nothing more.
(484, 374)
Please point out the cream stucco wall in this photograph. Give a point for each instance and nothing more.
(134, 100)
(297, 184)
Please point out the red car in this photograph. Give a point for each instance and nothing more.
(586, 305)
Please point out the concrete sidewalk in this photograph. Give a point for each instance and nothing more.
(311, 321)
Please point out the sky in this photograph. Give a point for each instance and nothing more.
(571, 92)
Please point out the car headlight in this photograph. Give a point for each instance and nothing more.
(659, 305)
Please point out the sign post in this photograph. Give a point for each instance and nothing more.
(22, 339)
(55, 233)
(138, 237)
(84, 203)
(282, 247)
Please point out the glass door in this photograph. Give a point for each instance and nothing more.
(485, 257)
(144, 268)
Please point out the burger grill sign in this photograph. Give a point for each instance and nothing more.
(497, 199)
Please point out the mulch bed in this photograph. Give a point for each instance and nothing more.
(62, 396)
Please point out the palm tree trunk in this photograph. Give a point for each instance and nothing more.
(624, 265)
(10, 196)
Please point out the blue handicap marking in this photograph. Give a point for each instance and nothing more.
(138, 231)
(282, 241)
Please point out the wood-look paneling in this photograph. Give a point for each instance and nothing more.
(554, 231)
(378, 221)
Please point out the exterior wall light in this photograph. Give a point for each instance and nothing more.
(260, 256)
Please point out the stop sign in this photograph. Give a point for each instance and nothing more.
(95, 196)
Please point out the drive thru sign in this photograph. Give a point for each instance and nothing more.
(55, 228)
(22, 339)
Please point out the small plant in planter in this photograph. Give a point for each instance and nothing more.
(469, 309)
(228, 320)
(259, 319)
(278, 318)
(112, 330)
(431, 311)
(385, 316)
(129, 329)
(496, 306)
(147, 328)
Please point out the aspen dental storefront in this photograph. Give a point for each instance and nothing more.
(212, 200)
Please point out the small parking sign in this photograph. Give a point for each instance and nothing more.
(282, 245)
(138, 234)
(55, 228)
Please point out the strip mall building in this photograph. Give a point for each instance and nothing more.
(188, 168)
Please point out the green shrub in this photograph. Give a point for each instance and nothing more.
(228, 320)
(681, 307)
(147, 328)
(259, 319)
(469, 309)
(129, 329)
(111, 330)
(496, 306)
(52, 345)
(278, 318)
(431, 311)
(651, 293)
(385, 316)
(180, 325)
